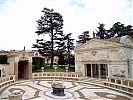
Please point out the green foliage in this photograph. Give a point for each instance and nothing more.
(84, 37)
(72, 59)
(37, 63)
(35, 68)
(69, 42)
(3, 59)
(50, 24)
(101, 32)
(117, 30)
(69, 46)
(71, 69)
(59, 69)
(128, 30)
(61, 60)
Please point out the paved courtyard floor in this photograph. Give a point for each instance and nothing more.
(80, 90)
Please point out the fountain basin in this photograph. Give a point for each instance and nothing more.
(66, 96)
(16, 95)
(58, 89)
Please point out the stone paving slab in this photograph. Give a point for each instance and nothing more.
(35, 91)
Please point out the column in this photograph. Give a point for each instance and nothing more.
(99, 70)
(16, 70)
(106, 67)
(26, 70)
(91, 71)
(128, 83)
(85, 70)
(30, 70)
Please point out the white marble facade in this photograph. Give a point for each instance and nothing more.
(117, 56)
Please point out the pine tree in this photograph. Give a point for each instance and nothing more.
(69, 46)
(50, 26)
(84, 37)
(101, 32)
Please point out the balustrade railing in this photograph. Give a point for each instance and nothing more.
(57, 75)
(125, 85)
(7, 80)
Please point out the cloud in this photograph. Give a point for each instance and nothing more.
(18, 18)
(78, 3)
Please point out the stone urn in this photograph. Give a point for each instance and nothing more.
(16, 95)
(66, 68)
(55, 67)
(42, 69)
(58, 89)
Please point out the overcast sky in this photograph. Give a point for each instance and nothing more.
(18, 18)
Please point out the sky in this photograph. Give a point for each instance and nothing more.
(18, 18)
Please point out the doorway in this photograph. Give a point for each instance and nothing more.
(88, 66)
(97, 71)
(103, 71)
(0, 73)
(22, 69)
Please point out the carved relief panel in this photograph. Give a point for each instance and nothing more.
(93, 55)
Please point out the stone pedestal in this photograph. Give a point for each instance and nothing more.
(16, 95)
(58, 89)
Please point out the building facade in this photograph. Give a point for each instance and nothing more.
(19, 64)
(101, 58)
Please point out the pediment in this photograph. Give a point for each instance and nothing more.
(96, 44)
(18, 54)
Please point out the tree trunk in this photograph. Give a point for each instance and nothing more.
(52, 51)
(68, 52)
(69, 58)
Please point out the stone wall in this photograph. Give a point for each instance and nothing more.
(5, 70)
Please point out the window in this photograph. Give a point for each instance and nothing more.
(3, 59)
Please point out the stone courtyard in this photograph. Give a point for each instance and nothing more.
(35, 90)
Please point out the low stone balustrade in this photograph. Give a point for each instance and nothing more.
(57, 76)
(7, 80)
(125, 85)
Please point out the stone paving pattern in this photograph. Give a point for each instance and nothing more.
(34, 90)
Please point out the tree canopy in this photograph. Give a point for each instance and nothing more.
(50, 25)
(84, 37)
(101, 32)
(69, 46)
(117, 30)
